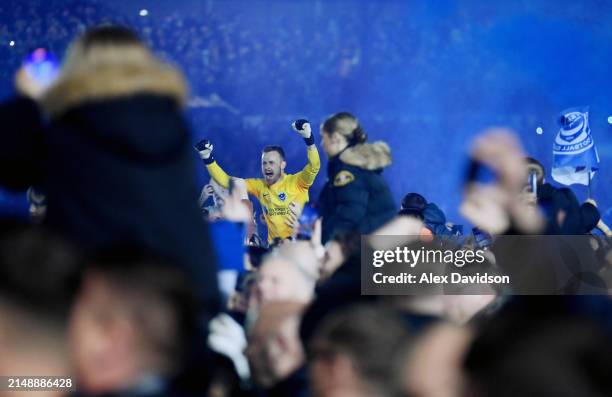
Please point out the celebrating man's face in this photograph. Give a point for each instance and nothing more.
(272, 166)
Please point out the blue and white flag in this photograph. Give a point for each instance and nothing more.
(575, 157)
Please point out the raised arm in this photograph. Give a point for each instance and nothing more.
(308, 174)
(204, 149)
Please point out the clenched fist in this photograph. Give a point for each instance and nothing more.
(204, 149)
(302, 127)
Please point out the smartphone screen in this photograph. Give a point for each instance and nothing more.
(42, 66)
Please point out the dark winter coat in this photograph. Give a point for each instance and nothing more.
(356, 196)
(116, 163)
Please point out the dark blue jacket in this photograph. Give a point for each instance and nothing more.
(115, 170)
(356, 197)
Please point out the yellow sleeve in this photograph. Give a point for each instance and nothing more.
(306, 177)
(219, 175)
(253, 186)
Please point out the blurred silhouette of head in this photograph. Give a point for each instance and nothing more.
(544, 347)
(134, 317)
(433, 366)
(107, 62)
(355, 352)
(288, 273)
(39, 274)
(342, 246)
(274, 349)
(413, 204)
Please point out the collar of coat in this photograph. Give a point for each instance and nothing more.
(107, 82)
(368, 156)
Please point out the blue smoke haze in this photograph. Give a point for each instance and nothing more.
(424, 76)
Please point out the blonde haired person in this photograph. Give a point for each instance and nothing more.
(356, 197)
(108, 143)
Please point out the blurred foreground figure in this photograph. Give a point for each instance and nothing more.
(493, 193)
(434, 364)
(545, 347)
(355, 351)
(114, 159)
(275, 352)
(340, 248)
(289, 273)
(38, 278)
(133, 323)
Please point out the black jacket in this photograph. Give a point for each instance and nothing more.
(356, 197)
(115, 166)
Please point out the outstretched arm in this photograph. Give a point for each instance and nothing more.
(204, 149)
(308, 174)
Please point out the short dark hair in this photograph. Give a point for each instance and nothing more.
(274, 148)
(39, 273)
(413, 204)
(373, 336)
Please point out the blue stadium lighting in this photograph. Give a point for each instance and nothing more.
(539, 131)
(609, 119)
(11, 43)
(144, 12)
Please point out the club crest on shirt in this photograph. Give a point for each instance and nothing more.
(343, 178)
(282, 196)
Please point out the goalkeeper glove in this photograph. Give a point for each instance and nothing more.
(302, 127)
(204, 149)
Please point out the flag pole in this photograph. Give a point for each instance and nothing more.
(589, 185)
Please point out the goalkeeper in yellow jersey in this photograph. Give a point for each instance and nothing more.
(276, 190)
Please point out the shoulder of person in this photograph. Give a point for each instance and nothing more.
(368, 156)
(255, 183)
(346, 174)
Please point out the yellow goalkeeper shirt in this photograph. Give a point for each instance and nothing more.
(275, 199)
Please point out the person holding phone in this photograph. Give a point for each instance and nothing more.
(276, 191)
(108, 143)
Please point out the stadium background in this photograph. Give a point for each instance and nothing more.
(423, 76)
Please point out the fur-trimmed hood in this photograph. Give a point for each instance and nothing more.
(111, 81)
(368, 156)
